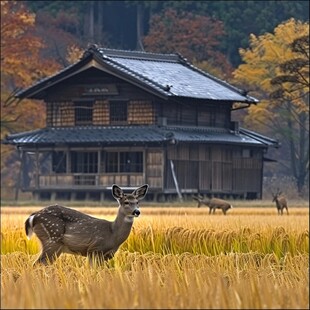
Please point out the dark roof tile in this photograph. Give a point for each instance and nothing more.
(135, 135)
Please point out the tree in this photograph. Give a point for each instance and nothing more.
(21, 62)
(276, 69)
(293, 81)
(120, 24)
(196, 37)
(21, 66)
(57, 31)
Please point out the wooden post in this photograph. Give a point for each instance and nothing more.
(20, 156)
(175, 181)
(37, 170)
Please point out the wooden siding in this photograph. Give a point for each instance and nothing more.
(155, 168)
(214, 169)
(63, 113)
(198, 114)
(101, 114)
(140, 113)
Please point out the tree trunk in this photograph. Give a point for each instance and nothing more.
(140, 32)
(91, 22)
(99, 28)
(303, 149)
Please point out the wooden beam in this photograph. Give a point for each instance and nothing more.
(175, 181)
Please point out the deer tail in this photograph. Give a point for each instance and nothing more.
(29, 226)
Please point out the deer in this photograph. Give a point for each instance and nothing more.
(213, 204)
(280, 201)
(64, 230)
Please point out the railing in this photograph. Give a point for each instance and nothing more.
(81, 180)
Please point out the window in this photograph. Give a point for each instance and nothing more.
(59, 162)
(112, 162)
(83, 111)
(118, 112)
(247, 153)
(84, 162)
(131, 162)
(124, 162)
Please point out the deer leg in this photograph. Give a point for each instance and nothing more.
(49, 253)
(210, 210)
(224, 211)
(100, 258)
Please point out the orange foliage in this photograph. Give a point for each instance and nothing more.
(74, 53)
(20, 47)
(196, 37)
(21, 66)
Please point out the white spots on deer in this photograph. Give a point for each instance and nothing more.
(46, 230)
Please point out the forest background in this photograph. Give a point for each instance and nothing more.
(259, 46)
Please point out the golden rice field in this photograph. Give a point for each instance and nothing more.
(176, 257)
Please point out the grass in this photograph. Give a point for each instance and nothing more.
(175, 257)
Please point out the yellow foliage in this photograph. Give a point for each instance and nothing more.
(74, 53)
(262, 64)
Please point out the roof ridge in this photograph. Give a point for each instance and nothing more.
(133, 54)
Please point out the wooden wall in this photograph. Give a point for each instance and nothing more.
(215, 169)
(199, 168)
(62, 113)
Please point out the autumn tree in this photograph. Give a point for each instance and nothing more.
(21, 63)
(21, 66)
(196, 37)
(276, 70)
(57, 33)
(292, 82)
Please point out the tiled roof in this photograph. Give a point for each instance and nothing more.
(135, 135)
(168, 75)
(172, 75)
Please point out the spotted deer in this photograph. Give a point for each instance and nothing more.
(64, 230)
(213, 204)
(280, 201)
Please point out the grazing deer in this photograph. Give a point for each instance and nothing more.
(64, 230)
(214, 203)
(280, 201)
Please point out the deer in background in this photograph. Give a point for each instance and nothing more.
(280, 201)
(214, 203)
(64, 230)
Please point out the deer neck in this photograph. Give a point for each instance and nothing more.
(121, 227)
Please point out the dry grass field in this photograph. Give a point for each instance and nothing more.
(176, 257)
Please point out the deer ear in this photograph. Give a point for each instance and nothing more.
(141, 191)
(117, 192)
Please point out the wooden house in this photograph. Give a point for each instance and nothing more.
(130, 118)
